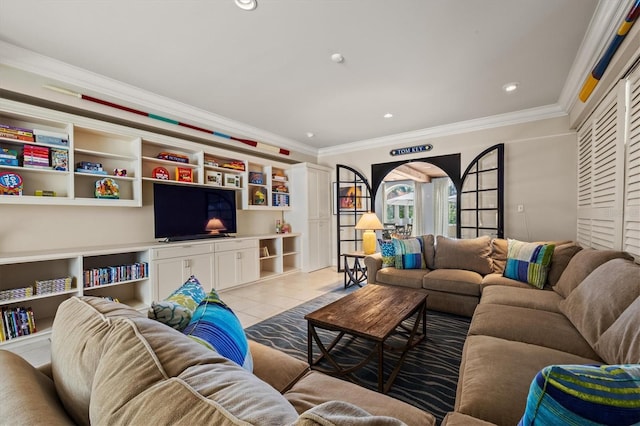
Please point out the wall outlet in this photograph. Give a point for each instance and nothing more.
(520, 208)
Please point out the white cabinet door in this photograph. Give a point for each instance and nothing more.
(249, 265)
(236, 267)
(170, 274)
(323, 252)
(323, 194)
(318, 187)
(319, 249)
(225, 269)
(202, 268)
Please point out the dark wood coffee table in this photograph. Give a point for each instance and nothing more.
(374, 313)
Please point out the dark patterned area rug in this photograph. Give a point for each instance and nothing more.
(428, 377)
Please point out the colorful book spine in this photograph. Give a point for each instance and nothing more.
(16, 322)
(113, 274)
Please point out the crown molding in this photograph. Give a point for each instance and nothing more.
(524, 116)
(607, 17)
(97, 85)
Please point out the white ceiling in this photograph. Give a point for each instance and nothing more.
(429, 62)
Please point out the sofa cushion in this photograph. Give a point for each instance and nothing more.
(495, 375)
(31, 399)
(581, 265)
(583, 394)
(402, 277)
(408, 253)
(147, 364)
(342, 413)
(537, 327)
(275, 367)
(457, 281)
(316, 388)
(75, 355)
(522, 297)
(470, 254)
(620, 344)
(499, 249)
(217, 327)
(499, 280)
(602, 297)
(562, 255)
(388, 252)
(176, 310)
(528, 262)
(429, 250)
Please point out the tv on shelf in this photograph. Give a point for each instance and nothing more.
(193, 212)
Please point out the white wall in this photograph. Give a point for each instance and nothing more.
(540, 171)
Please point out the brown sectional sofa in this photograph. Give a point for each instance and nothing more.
(110, 365)
(588, 313)
(457, 271)
(516, 332)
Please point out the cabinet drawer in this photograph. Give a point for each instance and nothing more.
(181, 251)
(235, 245)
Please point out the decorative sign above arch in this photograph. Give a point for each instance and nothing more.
(411, 149)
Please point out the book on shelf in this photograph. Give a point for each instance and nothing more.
(16, 133)
(53, 138)
(9, 162)
(59, 159)
(16, 322)
(8, 153)
(16, 130)
(184, 175)
(114, 274)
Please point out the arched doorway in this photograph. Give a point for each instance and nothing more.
(418, 196)
(479, 191)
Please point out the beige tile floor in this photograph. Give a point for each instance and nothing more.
(252, 303)
(265, 299)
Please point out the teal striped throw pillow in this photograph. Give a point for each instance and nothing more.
(528, 262)
(217, 327)
(579, 395)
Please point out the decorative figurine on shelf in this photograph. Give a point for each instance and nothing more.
(107, 188)
(259, 197)
(119, 172)
(285, 228)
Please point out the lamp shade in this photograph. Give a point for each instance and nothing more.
(369, 222)
(215, 225)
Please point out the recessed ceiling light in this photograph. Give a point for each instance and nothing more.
(247, 4)
(337, 58)
(510, 87)
(310, 134)
(388, 115)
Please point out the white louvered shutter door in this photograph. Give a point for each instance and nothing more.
(601, 175)
(631, 230)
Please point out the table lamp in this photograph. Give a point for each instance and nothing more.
(215, 225)
(369, 222)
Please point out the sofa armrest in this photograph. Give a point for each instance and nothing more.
(28, 396)
(275, 367)
(373, 263)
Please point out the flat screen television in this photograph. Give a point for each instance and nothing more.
(193, 212)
